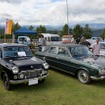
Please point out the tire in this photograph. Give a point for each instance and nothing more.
(41, 81)
(6, 81)
(83, 76)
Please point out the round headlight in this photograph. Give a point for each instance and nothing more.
(15, 70)
(45, 65)
(101, 71)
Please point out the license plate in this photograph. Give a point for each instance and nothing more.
(33, 81)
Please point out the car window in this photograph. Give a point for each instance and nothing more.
(52, 50)
(12, 51)
(80, 51)
(63, 52)
(102, 45)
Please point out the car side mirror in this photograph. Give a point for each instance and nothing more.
(44, 58)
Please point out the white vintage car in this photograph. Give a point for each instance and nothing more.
(102, 51)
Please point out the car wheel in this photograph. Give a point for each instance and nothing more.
(6, 81)
(83, 76)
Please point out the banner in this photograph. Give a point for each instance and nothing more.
(8, 28)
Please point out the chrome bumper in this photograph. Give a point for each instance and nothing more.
(97, 78)
(26, 80)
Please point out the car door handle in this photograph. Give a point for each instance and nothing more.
(57, 57)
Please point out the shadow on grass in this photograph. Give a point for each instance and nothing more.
(98, 83)
(54, 81)
(48, 84)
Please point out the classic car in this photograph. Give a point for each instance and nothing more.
(18, 65)
(75, 59)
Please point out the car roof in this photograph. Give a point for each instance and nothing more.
(11, 44)
(67, 45)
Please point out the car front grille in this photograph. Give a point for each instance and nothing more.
(31, 73)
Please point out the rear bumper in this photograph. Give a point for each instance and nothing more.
(97, 78)
(26, 80)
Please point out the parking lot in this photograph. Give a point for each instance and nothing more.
(58, 89)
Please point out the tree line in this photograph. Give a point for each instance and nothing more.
(77, 31)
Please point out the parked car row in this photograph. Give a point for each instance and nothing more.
(18, 65)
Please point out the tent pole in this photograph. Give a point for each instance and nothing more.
(13, 38)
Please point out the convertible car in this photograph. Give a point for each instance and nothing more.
(18, 65)
(76, 60)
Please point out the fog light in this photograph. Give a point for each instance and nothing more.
(21, 76)
(15, 76)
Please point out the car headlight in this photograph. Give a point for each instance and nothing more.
(15, 70)
(101, 71)
(45, 65)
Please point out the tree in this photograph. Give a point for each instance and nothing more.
(15, 27)
(77, 31)
(31, 27)
(87, 32)
(41, 29)
(64, 30)
(103, 34)
(2, 32)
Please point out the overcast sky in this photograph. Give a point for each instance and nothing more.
(52, 12)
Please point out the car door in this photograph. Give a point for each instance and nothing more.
(64, 61)
(50, 55)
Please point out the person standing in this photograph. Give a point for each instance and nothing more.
(41, 42)
(96, 47)
(84, 42)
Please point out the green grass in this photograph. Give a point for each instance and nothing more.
(58, 89)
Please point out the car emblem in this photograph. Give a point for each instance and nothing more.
(32, 67)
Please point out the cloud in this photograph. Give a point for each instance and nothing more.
(12, 1)
(88, 11)
(52, 12)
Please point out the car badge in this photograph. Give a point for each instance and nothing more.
(32, 67)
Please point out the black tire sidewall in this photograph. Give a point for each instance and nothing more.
(6, 82)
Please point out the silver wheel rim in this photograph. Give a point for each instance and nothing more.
(83, 77)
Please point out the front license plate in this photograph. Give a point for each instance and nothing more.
(33, 81)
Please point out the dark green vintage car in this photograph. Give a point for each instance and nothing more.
(76, 60)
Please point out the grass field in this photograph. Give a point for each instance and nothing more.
(58, 89)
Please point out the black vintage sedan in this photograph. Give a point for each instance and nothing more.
(76, 60)
(18, 65)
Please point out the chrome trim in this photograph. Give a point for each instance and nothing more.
(63, 70)
(26, 80)
(97, 78)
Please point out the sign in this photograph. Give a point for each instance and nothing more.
(8, 28)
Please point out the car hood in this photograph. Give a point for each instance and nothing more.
(27, 64)
(94, 60)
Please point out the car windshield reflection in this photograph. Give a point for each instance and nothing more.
(80, 51)
(17, 52)
(102, 45)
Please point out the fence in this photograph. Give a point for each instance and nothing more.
(35, 41)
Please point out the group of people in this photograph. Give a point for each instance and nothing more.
(95, 46)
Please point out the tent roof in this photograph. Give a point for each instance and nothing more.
(24, 31)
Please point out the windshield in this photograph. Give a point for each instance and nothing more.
(80, 51)
(55, 38)
(17, 51)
